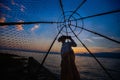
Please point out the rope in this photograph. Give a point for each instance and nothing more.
(98, 34)
(63, 13)
(100, 14)
(51, 46)
(61, 6)
(77, 8)
(18, 23)
(93, 55)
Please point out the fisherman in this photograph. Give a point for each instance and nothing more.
(68, 67)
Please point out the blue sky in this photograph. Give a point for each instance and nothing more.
(40, 36)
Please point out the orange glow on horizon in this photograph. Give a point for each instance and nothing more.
(94, 49)
(79, 50)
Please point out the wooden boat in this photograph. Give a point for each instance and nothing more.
(15, 67)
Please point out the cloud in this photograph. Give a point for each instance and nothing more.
(4, 6)
(19, 27)
(88, 40)
(97, 37)
(2, 20)
(5, 15)
(14, 3)
(22, 7)
(36, 26)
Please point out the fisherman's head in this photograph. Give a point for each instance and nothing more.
(62, 38)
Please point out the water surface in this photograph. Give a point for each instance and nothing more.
(88, 68)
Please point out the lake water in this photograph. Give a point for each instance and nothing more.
(88, 68)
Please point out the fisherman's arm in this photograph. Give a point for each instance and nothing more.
(73, 44)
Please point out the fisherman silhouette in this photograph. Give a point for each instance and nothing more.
(68, 67)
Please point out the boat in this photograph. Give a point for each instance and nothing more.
(14, 67)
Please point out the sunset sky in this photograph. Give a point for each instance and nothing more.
(40, 36)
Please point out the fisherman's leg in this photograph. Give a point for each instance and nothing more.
(66, 73)
(74, 70)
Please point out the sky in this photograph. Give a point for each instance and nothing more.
(40, 36)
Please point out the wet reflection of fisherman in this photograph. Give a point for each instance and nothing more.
(68, 67)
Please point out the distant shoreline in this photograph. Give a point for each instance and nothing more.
(102, 55)
(99, 55)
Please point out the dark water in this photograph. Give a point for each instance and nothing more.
(88, 68)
